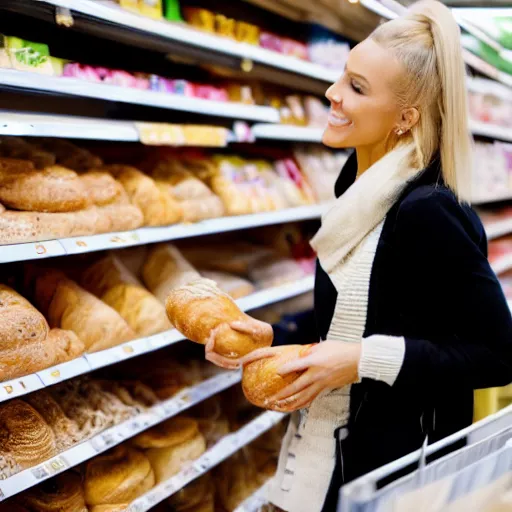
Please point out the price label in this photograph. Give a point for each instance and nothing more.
(137, 506)
(64, 371)
(77, 245)
(31, 251)
(104, 441)
(50, 468)
(18, 387)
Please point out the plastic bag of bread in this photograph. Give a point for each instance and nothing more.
(62, 492)
(69, 155)
(236, 287)
(26, 437)
(27, 345)
(170, 445)
(112, 282)
(165, 269)
(200, 309)
(260, 379)
(16, 147)
(117, 477)
(275, 271)
(53, 189)
(70, 307)
(157, 205)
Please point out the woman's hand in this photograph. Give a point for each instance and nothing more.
(261, 332)
(329, 365)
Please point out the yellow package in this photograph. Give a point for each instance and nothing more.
(200, 18)
(151, 8)
(225, 26)
(129, 5)
(247, 33)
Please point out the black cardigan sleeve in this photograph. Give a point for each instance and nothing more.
(446, 243)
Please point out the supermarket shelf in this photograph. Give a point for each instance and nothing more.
(90, 362)
(287, 132)
(256, 501)
(498, 228)
(492, 131)
(496, 197)
(117, 434)
(83, 88)
(218, 453)
(502, 264)
(78, 245)
(108, 13)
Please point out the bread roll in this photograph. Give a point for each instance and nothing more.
(158, 206)
(111, 281)
(170, 445)
(65, 429)
(54, 189)
(63, 493)
(101, 187)
(25, 435)
(199, 308)
(260, 379)
(119, 476)
(166, 269)
(236, 287)
(122, 217)
(66, 344)
(196, 210)
(72, 308)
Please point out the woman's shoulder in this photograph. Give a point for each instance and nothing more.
(433, 212)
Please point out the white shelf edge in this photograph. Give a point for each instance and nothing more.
(89, 362)
(111, 13)
(287, 132)
(117, 434)
(499, 228)
(496, 197)
(491, 130)
(86, 89)
(254, 503)
(78, 245)
(218, 453)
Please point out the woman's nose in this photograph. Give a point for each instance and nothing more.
(333, 94)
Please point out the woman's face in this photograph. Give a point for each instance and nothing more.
(364, 107)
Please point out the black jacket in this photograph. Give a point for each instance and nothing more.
(432, 284)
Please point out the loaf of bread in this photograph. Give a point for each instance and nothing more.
(122, 216)
(25, 435)
(157, 205)
(62, 493)
(261, 381)
(20, 149)
(101, 187)
(69, 155)
(64, 428)
(199, 308)
(171, 444)
(117, 477)
(54, 189)
(236, 287)
(166, 269)
(196, 210)
(70, 307)
(113, 283)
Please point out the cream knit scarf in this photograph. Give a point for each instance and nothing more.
(363, 206)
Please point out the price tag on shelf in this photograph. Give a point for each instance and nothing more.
(137, 424)
(31, 251)
(64, 371)
(169, 408)
(18, 387)
(107, 439)
(116, 354)
(77, 245)
(50, 468)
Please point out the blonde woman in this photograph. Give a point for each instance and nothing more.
(411, 317)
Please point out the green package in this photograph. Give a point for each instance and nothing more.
(486, 53)
(172, 10)
(28, 54)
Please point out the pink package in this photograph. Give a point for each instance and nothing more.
(271, 42)
(208, 92)
(82, 71)
(125, 79)
(295, 49)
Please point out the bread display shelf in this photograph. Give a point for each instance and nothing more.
(256, 501)
(89, 362)
(86, 89)
(498, 228)
(226, 447)
(78, 245)
(287, 132)
(108, 13)
(115, 435)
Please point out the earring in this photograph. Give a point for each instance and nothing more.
(399, 132)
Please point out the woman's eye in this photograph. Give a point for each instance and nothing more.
(356, 87)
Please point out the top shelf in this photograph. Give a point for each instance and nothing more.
(112, 16)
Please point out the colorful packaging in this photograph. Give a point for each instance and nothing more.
(200, 18)
(225, 26)
(247, 33)
(130, 5)
(172, 10)
(29, 56)
(5, 61)
(151, 8)
(271, 42)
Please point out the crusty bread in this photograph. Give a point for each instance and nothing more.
(199, 308)
(101, 187)
(54, 189)
(115, 285)
(122, 216)
(172, 432)
(260, 379)
(119, 476)
(157, 205)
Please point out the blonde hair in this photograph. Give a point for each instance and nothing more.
(426, 40)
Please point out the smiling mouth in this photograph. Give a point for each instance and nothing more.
(337, 121)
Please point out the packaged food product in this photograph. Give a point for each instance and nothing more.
(225, 26)
(200, 18)
(151, 8)
(29, 56)
(247, 33)
(172, 10)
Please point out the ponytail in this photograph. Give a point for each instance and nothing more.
(426, 40)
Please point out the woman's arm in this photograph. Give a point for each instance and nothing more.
(442, 250)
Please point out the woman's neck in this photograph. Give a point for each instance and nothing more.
(368, 155)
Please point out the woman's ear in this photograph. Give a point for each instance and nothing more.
(410, 117)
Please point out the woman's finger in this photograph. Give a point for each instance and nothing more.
(221, 361)
(297, 365)
(301, 399)
(305, 380)
(256, 355)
